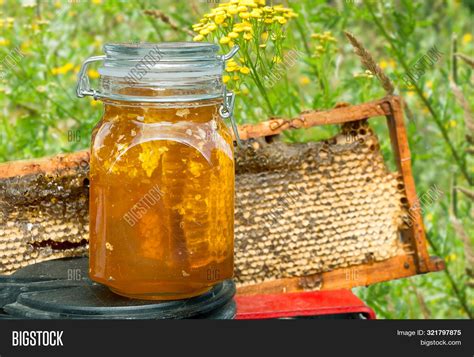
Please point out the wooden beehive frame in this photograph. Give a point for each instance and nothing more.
(362, 275)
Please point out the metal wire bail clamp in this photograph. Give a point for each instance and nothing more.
(226, 110)
(83, 87)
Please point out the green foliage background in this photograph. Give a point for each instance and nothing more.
(39, 107)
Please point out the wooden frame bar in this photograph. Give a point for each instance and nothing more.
(339, 115)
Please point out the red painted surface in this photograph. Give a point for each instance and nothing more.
(313, 303)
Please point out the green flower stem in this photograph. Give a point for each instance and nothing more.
(152, 21)
(308, 53)
(258, 82)
(457, 291)
(459, 161)
(28, 81)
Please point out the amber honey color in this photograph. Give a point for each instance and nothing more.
(161, 199)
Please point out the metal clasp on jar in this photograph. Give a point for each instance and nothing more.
(83, 87)
(226, 110)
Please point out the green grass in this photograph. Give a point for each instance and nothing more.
(39, 108)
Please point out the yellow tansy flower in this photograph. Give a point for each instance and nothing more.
(93, 74)
(25, 46)
(304, 80)
(225, 22)
(219, 19)
(63, 69)
(383, 64)
(93, 102)
(250, 3)
(451, 257)
(256, 13)
(232, 66)
(466, 38)
(247, 36)
(281, 19)
(290, 14)
(387, 64)
(224, 40)
(232, 10)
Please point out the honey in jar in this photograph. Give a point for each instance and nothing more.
(161, 172)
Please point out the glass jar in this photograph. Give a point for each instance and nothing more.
(161, 171)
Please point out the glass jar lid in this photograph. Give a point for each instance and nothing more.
(157, 72)
(169, 60)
